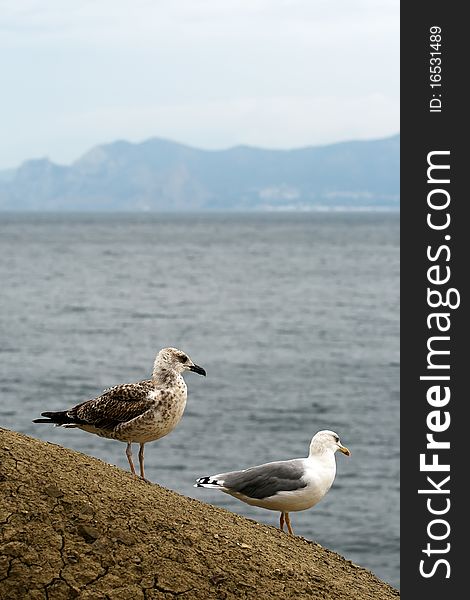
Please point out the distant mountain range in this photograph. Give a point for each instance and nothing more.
(161, 175)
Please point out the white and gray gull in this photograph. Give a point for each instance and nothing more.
(287, 485)
(135, 412)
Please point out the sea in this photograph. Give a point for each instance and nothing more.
(294, 316)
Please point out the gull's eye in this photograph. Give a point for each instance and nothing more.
(183, 358)
(336, 438)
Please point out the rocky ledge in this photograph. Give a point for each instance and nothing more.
(72, 526)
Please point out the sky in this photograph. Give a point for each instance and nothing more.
(207, 73)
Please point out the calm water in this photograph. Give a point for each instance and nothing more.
(295, 318)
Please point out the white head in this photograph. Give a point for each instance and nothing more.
(172, 359)
(327, 441)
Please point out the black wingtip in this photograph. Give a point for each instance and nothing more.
(59, 417)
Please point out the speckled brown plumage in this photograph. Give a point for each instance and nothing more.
(135, 412)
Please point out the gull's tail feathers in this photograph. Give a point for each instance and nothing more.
(209, 482)
(58, 418)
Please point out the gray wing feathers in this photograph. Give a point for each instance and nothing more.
(265, 480)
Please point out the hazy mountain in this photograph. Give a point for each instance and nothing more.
(162, 175)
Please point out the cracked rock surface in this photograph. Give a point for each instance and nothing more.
(72, 526)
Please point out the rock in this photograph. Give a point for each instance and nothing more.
(75, 527)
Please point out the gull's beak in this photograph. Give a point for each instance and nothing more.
(197, 369)
(344, 450)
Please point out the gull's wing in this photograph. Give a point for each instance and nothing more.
(118, 404)
(265, 480)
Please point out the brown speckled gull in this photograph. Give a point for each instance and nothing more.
(135, 412)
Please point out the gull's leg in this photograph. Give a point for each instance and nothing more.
(141, 462)
(281, 522)
(129, 457)
(288, 524)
